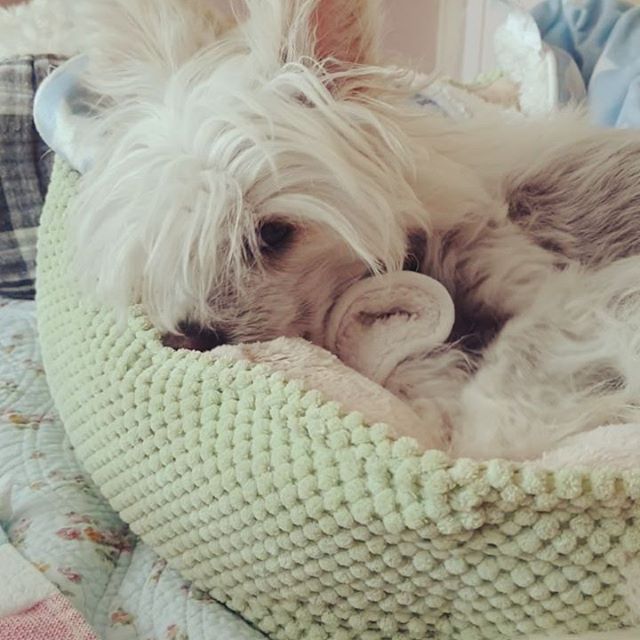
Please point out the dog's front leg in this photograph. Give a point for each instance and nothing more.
(431, 384)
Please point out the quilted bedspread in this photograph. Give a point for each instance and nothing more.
(55, 519)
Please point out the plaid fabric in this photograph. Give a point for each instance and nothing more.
(25, 169)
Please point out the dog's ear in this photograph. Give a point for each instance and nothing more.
(336, 33)
(133, 46)
(346, 30)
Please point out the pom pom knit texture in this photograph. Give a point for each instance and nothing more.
(306, 521)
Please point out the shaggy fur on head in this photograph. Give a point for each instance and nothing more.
(250, 170)
(216, 142)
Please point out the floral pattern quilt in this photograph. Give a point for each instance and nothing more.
(55, 519)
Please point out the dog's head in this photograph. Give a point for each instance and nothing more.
(248, 171)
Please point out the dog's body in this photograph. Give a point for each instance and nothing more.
(559, 269)
(251, 172)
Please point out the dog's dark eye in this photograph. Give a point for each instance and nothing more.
(275, 235)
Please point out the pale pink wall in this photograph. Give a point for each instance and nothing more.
(411, 31)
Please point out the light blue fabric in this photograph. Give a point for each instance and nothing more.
(61, 103)
(603, 37)
(571, 86)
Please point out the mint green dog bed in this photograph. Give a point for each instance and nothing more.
(305, 520)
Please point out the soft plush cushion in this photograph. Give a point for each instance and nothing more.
(25, 169)
(304, 519)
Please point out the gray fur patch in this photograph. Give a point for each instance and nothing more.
(584, 203)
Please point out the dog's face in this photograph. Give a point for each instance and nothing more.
(249, 174)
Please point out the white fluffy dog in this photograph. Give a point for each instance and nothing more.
(252, 169)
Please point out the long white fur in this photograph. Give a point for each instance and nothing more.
(215, 126)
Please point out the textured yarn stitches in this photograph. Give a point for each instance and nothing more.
(306, 521)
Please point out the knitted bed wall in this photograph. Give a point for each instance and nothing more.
(306, 521)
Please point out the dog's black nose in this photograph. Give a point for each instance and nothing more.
(196, 338)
